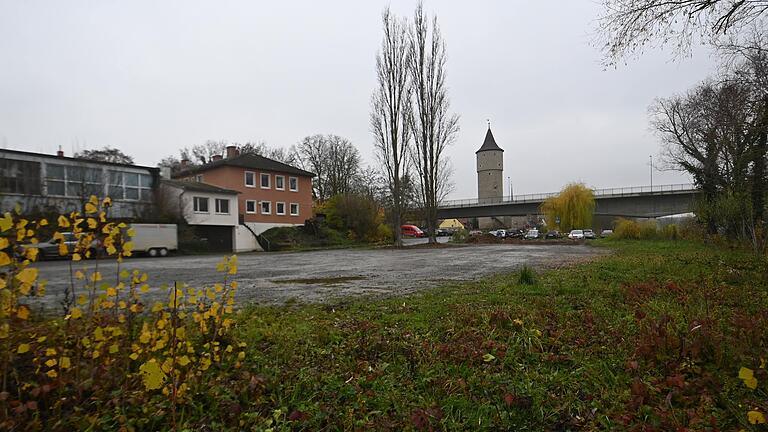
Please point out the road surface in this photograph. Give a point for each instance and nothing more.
(329, 275)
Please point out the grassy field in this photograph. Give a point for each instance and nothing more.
(657, 336)
(650, 338)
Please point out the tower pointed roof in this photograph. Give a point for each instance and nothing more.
(489, 143)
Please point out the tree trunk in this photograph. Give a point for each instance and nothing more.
(758, 169)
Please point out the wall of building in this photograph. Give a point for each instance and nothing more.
(211, 217)
(490, 174)
(47, 185)
(234, 178)
(245, 241)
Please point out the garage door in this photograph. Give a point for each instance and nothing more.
(217, 238)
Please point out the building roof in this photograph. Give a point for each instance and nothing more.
(198, 187)
(489, 143)
(247, 160)
(74, 159)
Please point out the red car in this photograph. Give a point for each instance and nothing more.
(411, 231)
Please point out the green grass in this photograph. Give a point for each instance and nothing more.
(609, 345)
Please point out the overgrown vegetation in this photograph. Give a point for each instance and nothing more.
(627, 229)
(346, 220)
(658, 336)
(111, 360)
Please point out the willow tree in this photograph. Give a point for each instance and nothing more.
(572, 208)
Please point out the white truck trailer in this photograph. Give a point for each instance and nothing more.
(155, 239)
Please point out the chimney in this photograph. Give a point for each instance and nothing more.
(232, 151)
(217, 157)
(184, 163)
(60, 153)
(165, 172)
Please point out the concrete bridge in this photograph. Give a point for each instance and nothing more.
(630, 202)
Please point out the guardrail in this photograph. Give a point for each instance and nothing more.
(609, 192)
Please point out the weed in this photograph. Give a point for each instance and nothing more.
(526, 276)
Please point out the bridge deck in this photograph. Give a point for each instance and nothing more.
(681, 188)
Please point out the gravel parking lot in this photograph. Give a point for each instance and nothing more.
(329, 275)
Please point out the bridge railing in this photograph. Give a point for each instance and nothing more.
(538, 197)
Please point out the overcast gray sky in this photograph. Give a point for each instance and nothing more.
(150, 77)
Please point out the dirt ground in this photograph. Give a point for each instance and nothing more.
(331, 275)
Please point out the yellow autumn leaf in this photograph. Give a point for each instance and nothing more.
(63, 222)
(76, 313)
(51, 363)
(96, 276)
(183, 360)
(111, 292)
(28, 275)
(111, 250)
(107, 202)
(6, 222)
(65, 363)
(92, 224)
(113, 348)
(152, 375)
(32, 253)
(3, 243)
(22, 348)
(76, 257)
(131, 232)
(144, 288)
(42, 339)
(755, 417)
(79, 274)
(4, 259)
(22, 312)
(52, 373)
(134, 356)
(63, 249)
(42, 222)
(747, 375)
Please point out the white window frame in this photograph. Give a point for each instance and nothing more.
(261, 208)
(245, 179)
(194, 205)
(269, 182)
(297, 184)
(277, 208)
(297, 209)
(277, 186)
(255, 206)
(216, 202)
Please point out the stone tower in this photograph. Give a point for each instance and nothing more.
(490, 168)
(490, 175)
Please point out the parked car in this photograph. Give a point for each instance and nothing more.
(606, 233)
(411, 231)
(444, 232)
(516, 233)
(589, 234)
(576, 235)
(554, 234)
(500, 233)
(532, 234)
(50, 249)
(475, 232)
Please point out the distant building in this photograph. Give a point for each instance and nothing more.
(271, 193)
(210, 212)
(55, 183)
(490, 176)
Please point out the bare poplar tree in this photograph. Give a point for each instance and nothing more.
(432, 124)
(390, 105)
